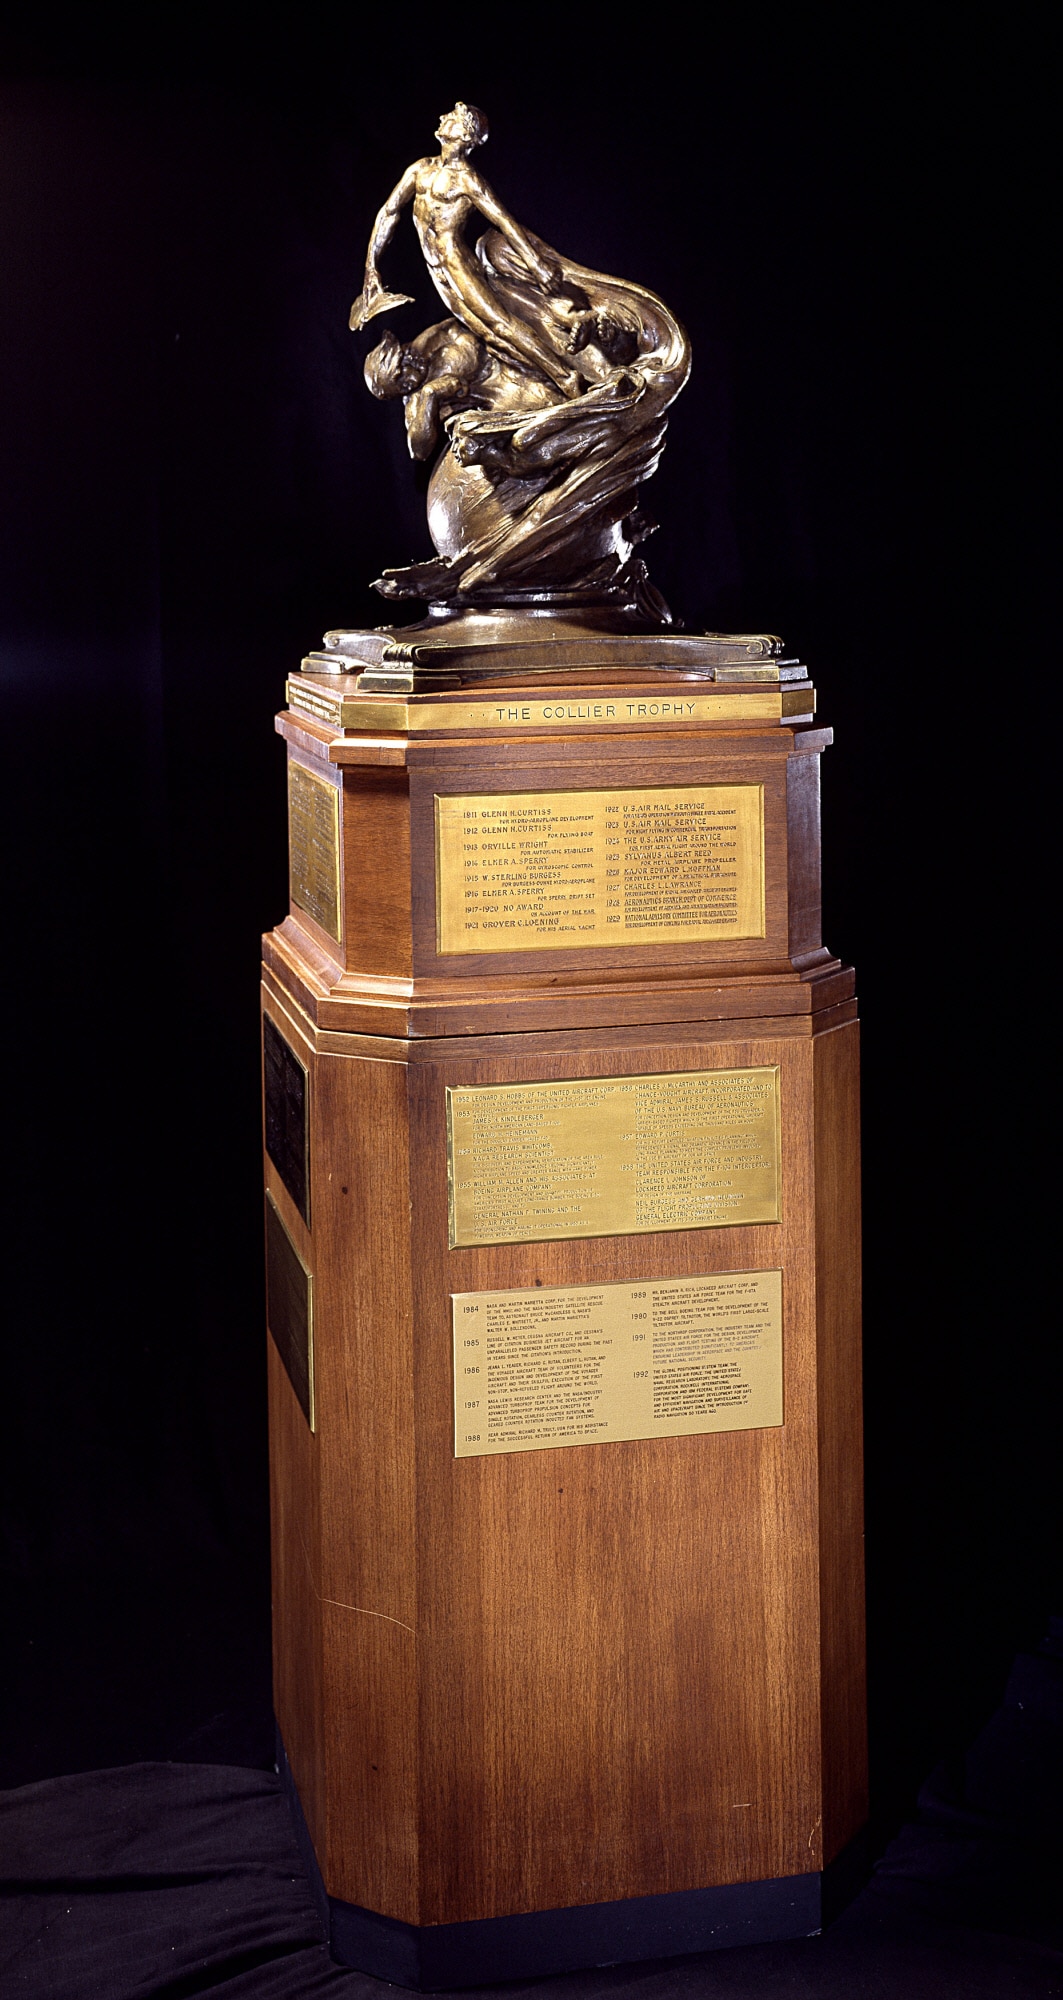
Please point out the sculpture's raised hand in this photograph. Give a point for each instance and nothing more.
(373, 299)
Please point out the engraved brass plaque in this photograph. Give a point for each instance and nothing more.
(527, 871)
(314, 846)
(613, 1156)
(583, 1364)
(290, 1308)
(287, 1115)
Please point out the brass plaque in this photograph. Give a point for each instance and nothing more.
(613, 1156)
(527, 871)
(287, 1115)
(583, 1364)
(290, 1308)
(314, 846)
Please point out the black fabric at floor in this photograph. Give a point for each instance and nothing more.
(159, 1881)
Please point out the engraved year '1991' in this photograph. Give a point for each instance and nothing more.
(565, 1365)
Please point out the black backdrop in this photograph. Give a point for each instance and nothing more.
(845, 211)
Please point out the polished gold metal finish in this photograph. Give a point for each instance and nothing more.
(314, 846)
(634, 709)
(584, 1364)
(548, 385)
(613, 1156)
(535, 871)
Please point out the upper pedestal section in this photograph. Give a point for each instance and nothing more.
(588, 847)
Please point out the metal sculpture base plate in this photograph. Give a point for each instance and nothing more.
(456, 650)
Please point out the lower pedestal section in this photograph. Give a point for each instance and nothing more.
(431, 1958)
(566, 1529)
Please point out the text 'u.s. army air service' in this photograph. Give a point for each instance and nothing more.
(534, 871)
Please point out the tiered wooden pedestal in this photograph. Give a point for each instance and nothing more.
(551, 1707)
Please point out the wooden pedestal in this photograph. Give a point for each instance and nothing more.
(560, 1706)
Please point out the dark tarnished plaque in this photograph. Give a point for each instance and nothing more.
(287, 1116)
(289, 1309)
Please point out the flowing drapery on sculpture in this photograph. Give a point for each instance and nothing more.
(545, 392)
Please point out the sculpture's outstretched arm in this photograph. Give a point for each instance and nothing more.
(491, 208)
(373, 298)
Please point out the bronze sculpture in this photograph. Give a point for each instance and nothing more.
(544, 398)
(550, 384)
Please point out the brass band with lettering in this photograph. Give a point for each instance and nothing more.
(586, 1364)
(619, 709)
(613, 1156)
(524, 871)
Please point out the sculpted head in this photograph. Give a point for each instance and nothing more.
(392, 369)
(465, 127)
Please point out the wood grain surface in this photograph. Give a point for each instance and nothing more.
(841, 1469)
(570, 1675)
(539, 1679)
(295, 1525)
(389, 858)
